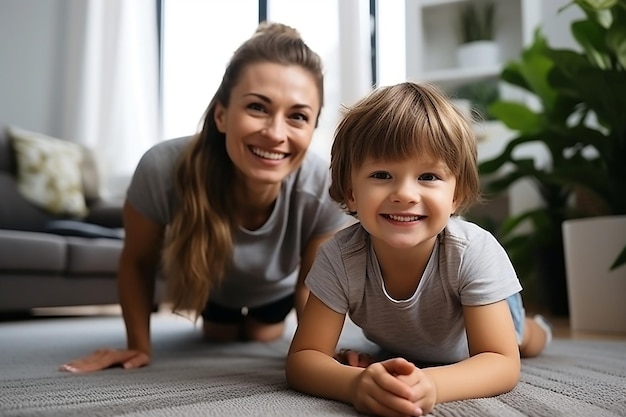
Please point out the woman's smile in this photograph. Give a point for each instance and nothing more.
(268, 155)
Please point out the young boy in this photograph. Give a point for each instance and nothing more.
(423, 284)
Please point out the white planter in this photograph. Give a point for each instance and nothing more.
(596, 295)
(478, 54)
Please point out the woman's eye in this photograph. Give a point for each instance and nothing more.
(300, 116)
(256, 106)
(381, 175)
(428, 177)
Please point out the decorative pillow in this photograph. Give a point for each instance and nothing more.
(49, 172)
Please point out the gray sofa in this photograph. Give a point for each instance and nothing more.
(50, 261)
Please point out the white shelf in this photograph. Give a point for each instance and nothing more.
(434, 3)
(461, 75)
(433, 40)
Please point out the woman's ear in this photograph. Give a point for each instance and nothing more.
(219, 115)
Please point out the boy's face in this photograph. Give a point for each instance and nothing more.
(405, 203)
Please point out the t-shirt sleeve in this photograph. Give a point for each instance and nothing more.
(486, 274)
(330, 216)
(151, 191)
(325, 215)
(327, 279)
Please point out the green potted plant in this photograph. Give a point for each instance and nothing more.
(580, 123)
(477, 32)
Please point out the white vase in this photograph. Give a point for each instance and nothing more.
(478, 54)
(596, 295)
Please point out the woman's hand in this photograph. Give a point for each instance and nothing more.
(106, 358)
(354, 358)
(382, 389)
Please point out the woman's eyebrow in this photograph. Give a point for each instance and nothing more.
(266, 99)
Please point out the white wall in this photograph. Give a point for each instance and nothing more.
(31, 64)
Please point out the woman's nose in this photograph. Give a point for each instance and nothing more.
(275, 129)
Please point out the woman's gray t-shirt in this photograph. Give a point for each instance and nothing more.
(266, 260)
(467, 267)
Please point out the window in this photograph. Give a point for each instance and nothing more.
(198, 38)
(306, 16)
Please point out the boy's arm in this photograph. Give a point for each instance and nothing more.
(308, 256)
(311, 368)
(493, 367)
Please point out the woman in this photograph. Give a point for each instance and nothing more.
(235, 214)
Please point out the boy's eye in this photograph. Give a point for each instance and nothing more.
(428, 177)
(381, 175)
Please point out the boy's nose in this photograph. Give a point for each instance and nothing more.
(407, 192)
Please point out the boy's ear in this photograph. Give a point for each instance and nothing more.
(456, 203)
(351, 201)
(219, 115)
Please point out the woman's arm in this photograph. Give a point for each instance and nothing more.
(137, 274)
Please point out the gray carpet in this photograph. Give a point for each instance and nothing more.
(192, 378)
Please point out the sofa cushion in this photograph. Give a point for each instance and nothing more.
(49, 172)
(16, 212)
(82, 229)
(90, 176)
(7, 156)
(93, 256)
(25, 252)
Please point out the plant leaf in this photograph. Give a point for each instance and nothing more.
(621, 260)
(591, 36)
(616, 39)
(516, 116)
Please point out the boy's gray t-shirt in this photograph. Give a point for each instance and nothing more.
(265, 261)
(467, 267)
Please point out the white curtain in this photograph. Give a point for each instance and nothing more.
(111, 100)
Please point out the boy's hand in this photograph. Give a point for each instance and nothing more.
(380, 391)
(424, 389)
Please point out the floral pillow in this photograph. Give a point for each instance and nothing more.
(49, 172)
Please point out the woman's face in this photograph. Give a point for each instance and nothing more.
(270, 120)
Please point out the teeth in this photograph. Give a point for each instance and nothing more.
(268, 155)
(404, 218)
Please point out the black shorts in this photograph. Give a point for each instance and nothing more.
(269, 313)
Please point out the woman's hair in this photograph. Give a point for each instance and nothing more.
(199, 242)
(401, 121)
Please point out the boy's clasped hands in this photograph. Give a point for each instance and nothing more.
(394, 387)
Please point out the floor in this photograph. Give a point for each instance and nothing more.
(560, 325)
(561, 329)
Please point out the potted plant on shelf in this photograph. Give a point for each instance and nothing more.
(478, 47)
(579, 121)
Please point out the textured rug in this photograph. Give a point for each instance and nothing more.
(189, 377)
